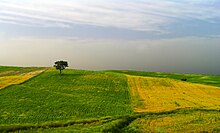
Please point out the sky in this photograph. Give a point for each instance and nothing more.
(160, 35)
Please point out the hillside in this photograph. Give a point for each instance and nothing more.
(162, 94)
(212, 80)
(106, 101)
(16, 75)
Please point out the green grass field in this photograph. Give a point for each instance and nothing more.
(193, 78)
(93, 101)
(17, 75)
(10, 71)
(76, 95)
(183, 121)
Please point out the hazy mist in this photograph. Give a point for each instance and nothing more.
(185, 55)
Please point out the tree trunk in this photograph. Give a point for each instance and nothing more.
(60, 71)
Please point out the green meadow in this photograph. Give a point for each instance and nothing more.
(212, 80)
(94, 101)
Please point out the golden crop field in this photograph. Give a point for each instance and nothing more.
(17, 79)
(197, 121)
(162, 94)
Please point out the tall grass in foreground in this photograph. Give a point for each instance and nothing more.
(181, 120)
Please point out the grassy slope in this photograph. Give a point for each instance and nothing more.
(11, 71)
(193, 78)
(9, 68)
(77, 94)
(184, 121)
(162, 94)
(189, 120)
(89, 96)
(16, 75)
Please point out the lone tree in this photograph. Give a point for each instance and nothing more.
(60, 65)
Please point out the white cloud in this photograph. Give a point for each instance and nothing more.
(140, 15)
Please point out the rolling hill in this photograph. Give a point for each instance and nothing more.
(107, 101)
(163, 94)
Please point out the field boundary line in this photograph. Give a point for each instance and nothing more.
(43, 71)
(15, 128)
(26, 74)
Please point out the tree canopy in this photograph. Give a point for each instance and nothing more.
(60, 65)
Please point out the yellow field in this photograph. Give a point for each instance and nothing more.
(9, 80)
(185, 123)
(162, 94)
